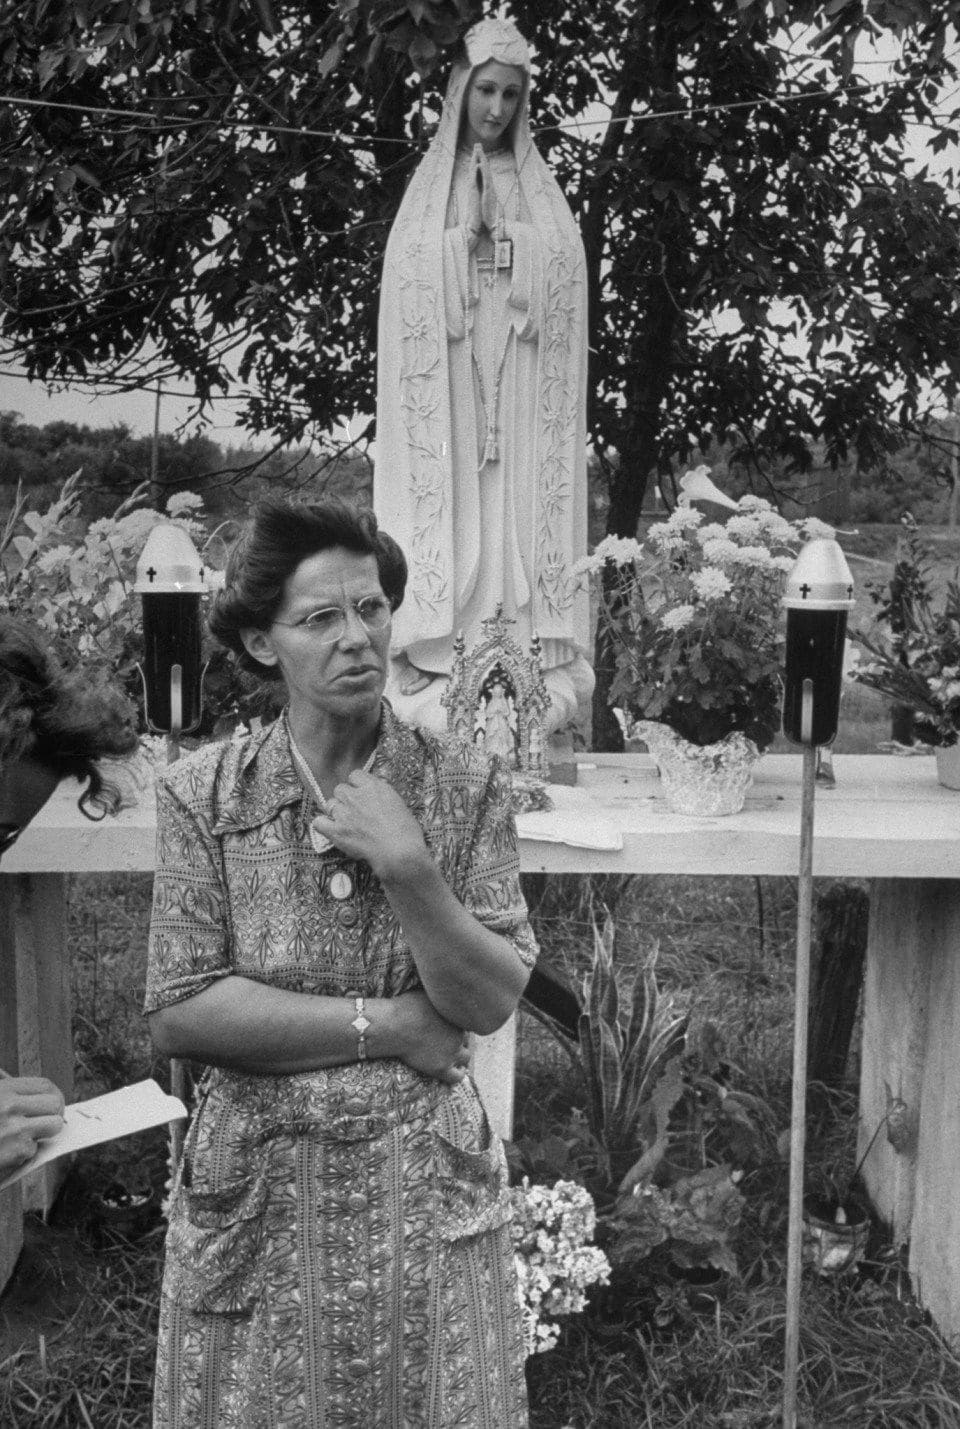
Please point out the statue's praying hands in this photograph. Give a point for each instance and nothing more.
(482, 212)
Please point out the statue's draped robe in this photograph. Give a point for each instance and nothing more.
(481, 394)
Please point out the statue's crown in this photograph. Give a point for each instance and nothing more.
(496, 40)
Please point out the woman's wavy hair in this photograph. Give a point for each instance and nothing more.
(270, 547)
(67, 721)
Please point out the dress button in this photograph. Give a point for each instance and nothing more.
(357, 1368)
(357, 1289)
(357, 1201)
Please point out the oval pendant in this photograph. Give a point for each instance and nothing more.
(341, 885)
(321, 843)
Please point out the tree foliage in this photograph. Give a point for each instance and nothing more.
(763, 267)
(188, 181)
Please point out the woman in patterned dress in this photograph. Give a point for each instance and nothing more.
(336, 908)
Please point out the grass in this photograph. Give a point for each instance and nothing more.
(646, 1355)
(77, 1324)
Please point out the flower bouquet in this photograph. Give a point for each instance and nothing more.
(552, 1231)
(694, 621)
(914, 654)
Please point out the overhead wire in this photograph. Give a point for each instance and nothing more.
(362, 140)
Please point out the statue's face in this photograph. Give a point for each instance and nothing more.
(492, 101)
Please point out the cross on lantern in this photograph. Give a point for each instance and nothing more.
(804, 590)
(151, 573)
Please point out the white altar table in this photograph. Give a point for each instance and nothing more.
(887, 821)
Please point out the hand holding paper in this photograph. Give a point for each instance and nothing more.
(116, 1114)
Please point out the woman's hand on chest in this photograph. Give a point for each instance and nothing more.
(369, 821)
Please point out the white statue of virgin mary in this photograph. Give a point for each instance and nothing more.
(481, 386)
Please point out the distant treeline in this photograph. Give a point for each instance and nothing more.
(114, 463)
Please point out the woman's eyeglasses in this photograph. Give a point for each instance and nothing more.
(329, 624)
(9, 833)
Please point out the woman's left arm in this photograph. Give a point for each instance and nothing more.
(473, 975)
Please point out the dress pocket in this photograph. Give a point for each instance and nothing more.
(216, 1240)
(472, 1191)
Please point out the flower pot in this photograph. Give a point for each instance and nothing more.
(835, 1235)
(700, 779)
(705, 1286)
(948, 765)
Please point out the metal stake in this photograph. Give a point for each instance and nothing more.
(798, 1113)
(178, 1071)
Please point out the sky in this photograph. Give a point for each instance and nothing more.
(177, 412)
(137, 410)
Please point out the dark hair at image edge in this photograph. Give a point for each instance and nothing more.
(64, 720)
(277, 538)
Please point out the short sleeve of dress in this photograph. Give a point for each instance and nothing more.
(491, 888)
(188, 944)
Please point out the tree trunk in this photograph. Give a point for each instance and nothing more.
(842, 916)
(639, 458)
(901, 723)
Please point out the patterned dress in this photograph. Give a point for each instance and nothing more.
(339, 1248)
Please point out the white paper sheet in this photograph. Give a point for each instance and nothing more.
(116, 1114)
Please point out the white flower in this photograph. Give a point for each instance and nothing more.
(554, 1266)
(754, 503)
(622, 550)
(677, 618)
(665, 537)
(720, 551)
(710, 584)
(775, 527)
(815, 529)
(684, 518)
(713, 531)
(784, 563)
(48, 561)
(184, 501)
(752, 556)
(747, 528)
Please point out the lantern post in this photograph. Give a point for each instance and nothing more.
(818, 597)
(170, 582)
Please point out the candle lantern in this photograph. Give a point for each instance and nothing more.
(170, 581)
(818, 596)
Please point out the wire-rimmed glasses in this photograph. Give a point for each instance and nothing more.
(328, 624)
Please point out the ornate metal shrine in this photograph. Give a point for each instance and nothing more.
(496, 698)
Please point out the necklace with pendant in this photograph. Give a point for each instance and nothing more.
(340, 884)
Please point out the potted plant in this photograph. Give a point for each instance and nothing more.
(693, 618)
(913, 654)
(664, 1140)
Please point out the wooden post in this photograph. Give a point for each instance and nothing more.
(11, 1204)
(493, 1066)
(896, 1002)
(44, 1014)
(935, 1224)
(842, 921)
